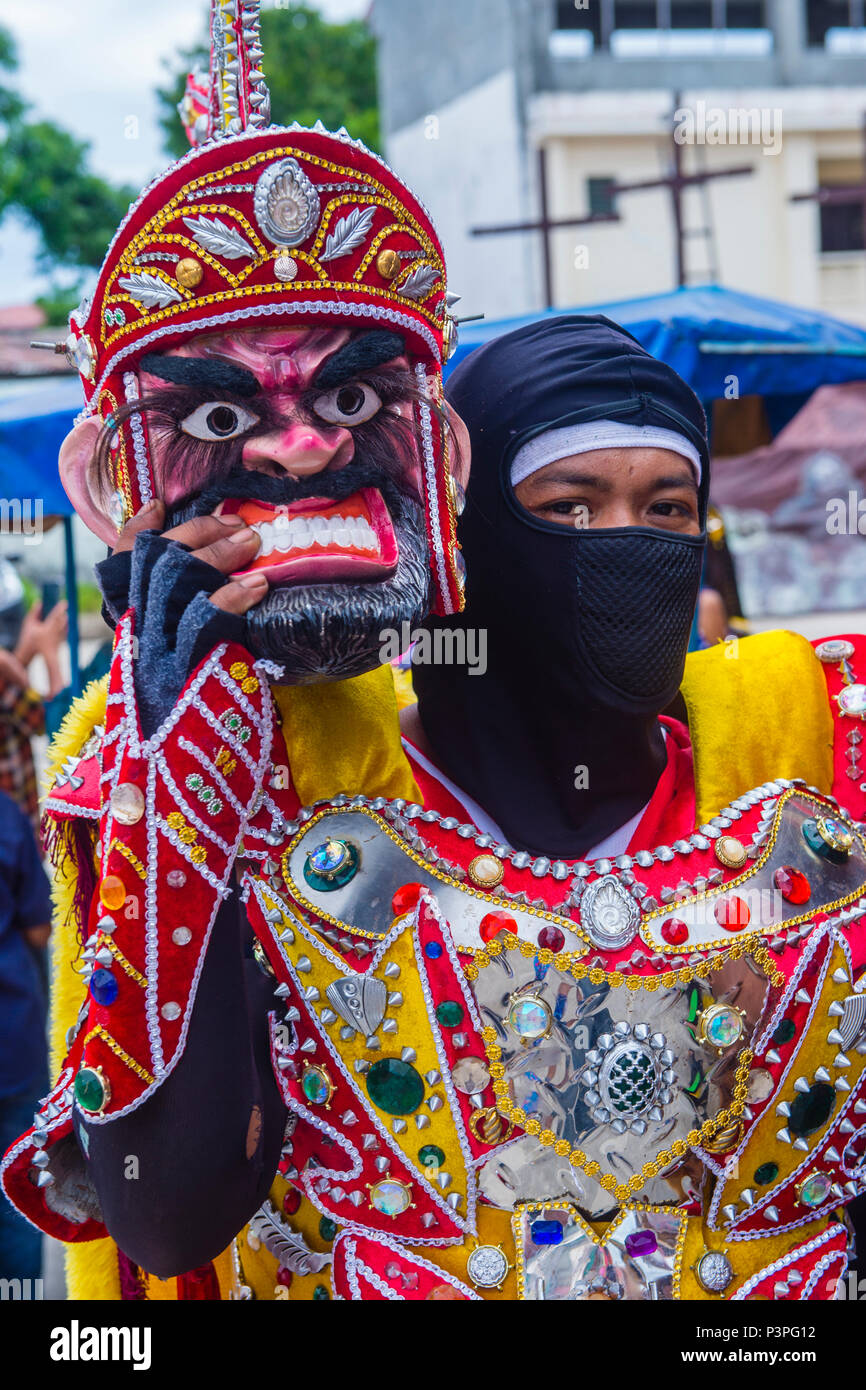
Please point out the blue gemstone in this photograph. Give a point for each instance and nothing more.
(328, 857)
(433, 950)
(546, 1232)
(103, 986)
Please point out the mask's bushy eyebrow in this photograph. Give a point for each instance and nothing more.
(213, 373)
(367, 350)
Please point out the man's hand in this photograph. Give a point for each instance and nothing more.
(174, 581)
(223, 542)
(42, 636)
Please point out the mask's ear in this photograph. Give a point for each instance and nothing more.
(461, 452)
(79, 477)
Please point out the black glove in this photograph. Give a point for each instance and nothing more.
(176, 625)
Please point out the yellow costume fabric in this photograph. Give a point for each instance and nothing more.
(346, 737)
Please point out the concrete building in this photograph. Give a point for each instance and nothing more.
(472, 89)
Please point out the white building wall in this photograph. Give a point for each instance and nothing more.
(466, 162)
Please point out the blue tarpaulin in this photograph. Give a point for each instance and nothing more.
(710, 334)
(33, 425)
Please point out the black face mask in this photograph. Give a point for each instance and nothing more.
(586, 630)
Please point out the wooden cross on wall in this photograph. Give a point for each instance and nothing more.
(677, 181)
(839, 194)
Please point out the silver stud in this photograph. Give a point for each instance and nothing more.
(390, 1025)
(399, 1126)
(395, 1000)
(802, 1145)
(428, 1219)
(312, 995)
(833, 1154)
(443, 1179)
(773, 1057)
(432, 1078)
(422, 1121)
(822, 1074)
(783, 1109)
(435, 1103)
(383, 1163)
(836, 1009)
(309, 1045)
(840, 1084)
(392, 970)
(347, 1032)
(349, 1117)
(372, 1043)
(747, 1196)
(802, 1085)
(835, 1037)
(369, 1142)
(408, 1054)
(772, 1214)
(782, 1135)
(458, 1039)
(361, 1065)
(328, 1016)
(729, 1212)
(802, 997)
(453, 1199)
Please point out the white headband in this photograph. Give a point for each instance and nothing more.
(597, 434)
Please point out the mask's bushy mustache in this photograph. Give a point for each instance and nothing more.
(242, 483)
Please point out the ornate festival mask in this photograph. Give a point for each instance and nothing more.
(265, 227)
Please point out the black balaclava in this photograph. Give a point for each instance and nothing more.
(587, 630)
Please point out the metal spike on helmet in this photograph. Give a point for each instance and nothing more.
(233, 97)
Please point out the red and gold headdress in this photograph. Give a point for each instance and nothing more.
(261, 224)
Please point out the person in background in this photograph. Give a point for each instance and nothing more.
(22, 712)
(25, 926)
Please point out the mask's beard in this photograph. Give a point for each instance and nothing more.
(330, 631)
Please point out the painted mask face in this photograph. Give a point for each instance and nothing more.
(308, 434)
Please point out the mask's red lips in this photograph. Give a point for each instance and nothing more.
(316, 540)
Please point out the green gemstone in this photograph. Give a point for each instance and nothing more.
(320, 1293)
(449, 1013)
(768, 1172)
(89, 1090)
(394, 1086)
(327, 1228)
(784, 1033)
(812, 1109)
(431, 1156)
(316, 1086)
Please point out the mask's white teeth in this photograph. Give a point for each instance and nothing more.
(285, 534)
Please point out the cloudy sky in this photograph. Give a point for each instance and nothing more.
(92, 66)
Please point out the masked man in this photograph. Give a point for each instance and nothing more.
(265, 449)
(560, 1002)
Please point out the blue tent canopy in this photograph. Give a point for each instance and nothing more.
(710, 334)
(33, 425)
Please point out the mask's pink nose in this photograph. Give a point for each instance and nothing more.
(300, 450)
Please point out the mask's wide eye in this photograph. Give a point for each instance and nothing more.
(348, 405)
(218, 420)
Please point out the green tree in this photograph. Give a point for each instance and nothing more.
(315, 71)
(45, 174)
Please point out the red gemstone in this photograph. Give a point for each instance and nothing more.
(406, 898)
(493, 922)
(291, 1201)
(792, 884)
(284, 1277)
(551, 939)
(732, 913)
(675, 931)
